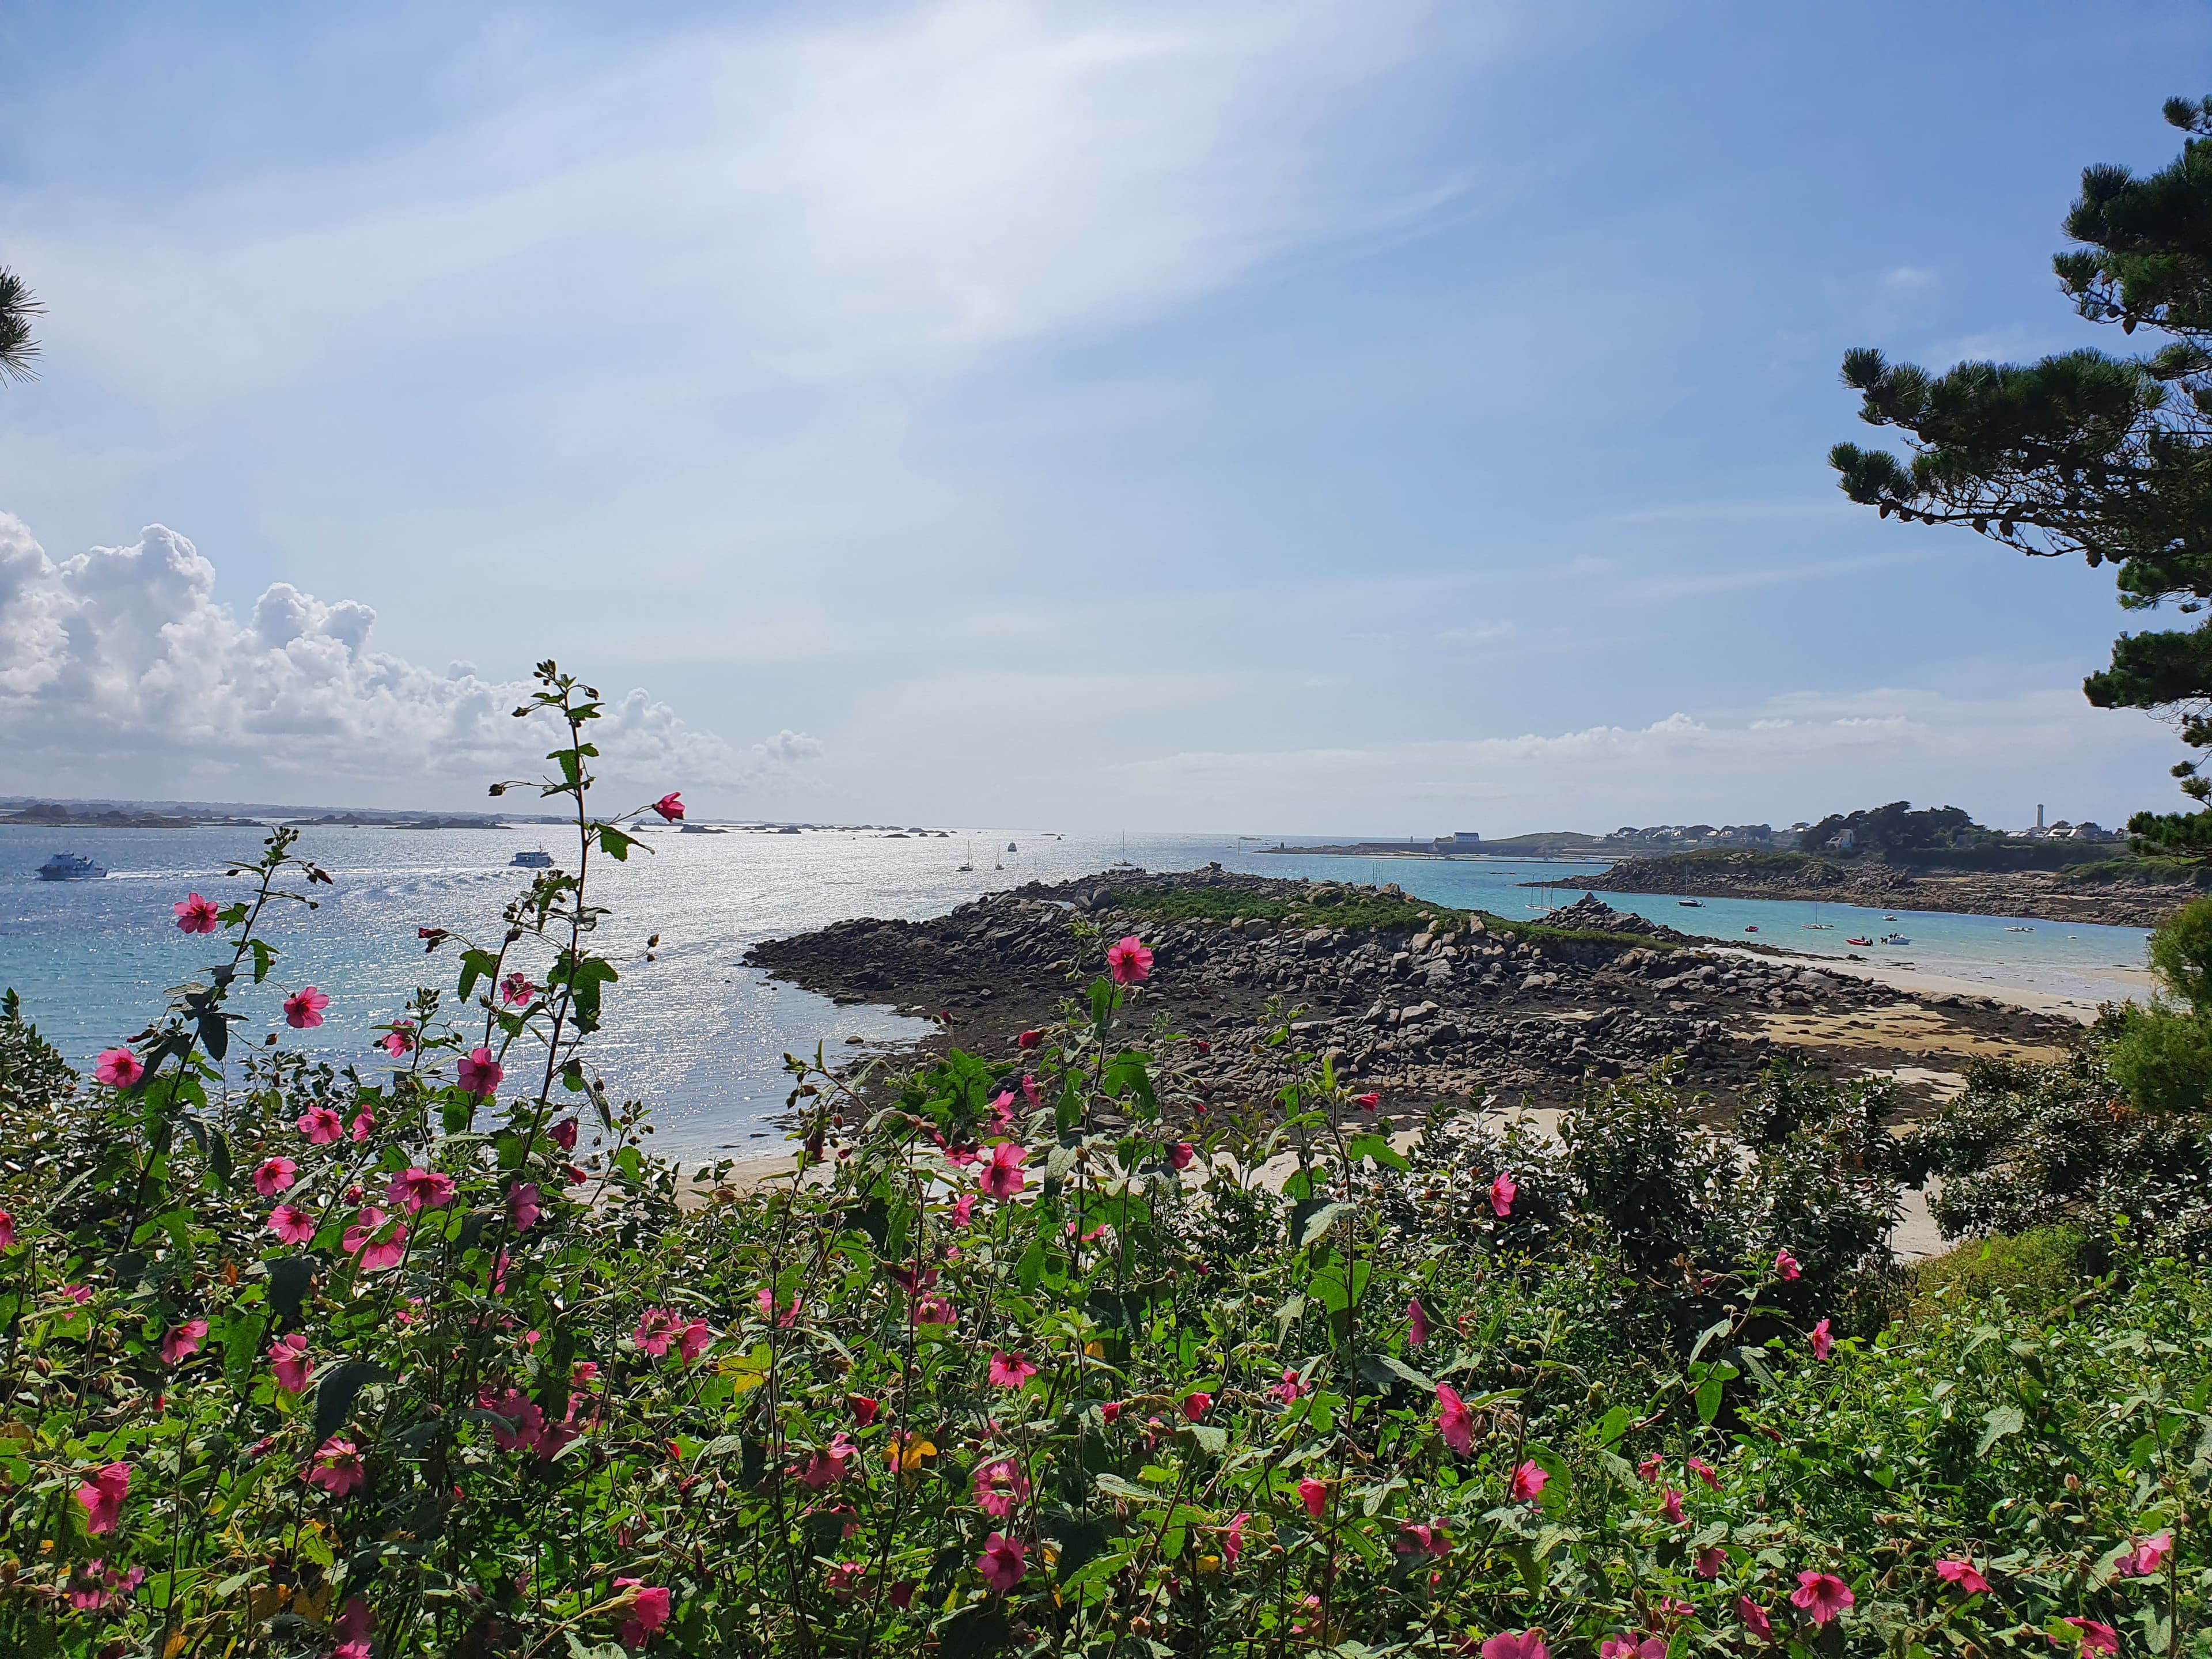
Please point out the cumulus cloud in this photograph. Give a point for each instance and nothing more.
(121, 672)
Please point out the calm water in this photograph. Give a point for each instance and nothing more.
(694, 1031)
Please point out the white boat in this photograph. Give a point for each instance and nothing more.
(68, 867)
(540, 859)
(2017, 928)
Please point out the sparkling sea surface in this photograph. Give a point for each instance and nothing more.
(701, 1037)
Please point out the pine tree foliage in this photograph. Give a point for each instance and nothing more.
(18, 305)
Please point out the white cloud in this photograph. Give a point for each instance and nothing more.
(120, 671)
(1908, 279)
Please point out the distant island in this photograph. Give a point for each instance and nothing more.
(52, 815)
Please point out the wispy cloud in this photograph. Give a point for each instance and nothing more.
(1793, 509)
(1774, 575)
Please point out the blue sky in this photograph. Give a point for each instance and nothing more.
(1363, 419)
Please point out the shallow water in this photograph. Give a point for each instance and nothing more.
(696, 1032)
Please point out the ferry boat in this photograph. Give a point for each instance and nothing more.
(68, 867)
(540, 859)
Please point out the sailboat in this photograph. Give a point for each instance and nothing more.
(967, 864)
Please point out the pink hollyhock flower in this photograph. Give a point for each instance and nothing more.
(964, 1210)
(524, 1418)
(1180, 1155)
(1963, 1576)
(648, 1612)
(1417, 1323)
(183, 1342)
(353, 1627)
(1453, 1420)
(864, 1409)
(118, 1069)
(1029, 1039)
(321, 1126)
(1131, 962)
(1785, 1265)
(694, 1339)
(291, 1224)
(94, 1584)
(563, 1134)
(1822, 1594)
(522, 1206)
(1232, 1537)
(764, 1299)
(287, 1358)
(1503, 1192)
(1528, 1485)
(1003, 1177)
(1002, 1112)
(1823, 1343)
(79, 1294)
(1111, 1411)
(1031, 1092)
(843, 1579)
(1754, 1617)
(934, 1310)
(1010, 1370)
(1710, 1563)
(479, 1074)
(363, 1122)
(825, 1467)
(274, 1175)
(2147, 1558)
(1314, 1494)
(1521, 1644)
(2095, 1638)
(1368, 1103)
(1672, 1507)
(195, 915)
(102, 1496)
(1003, 1562)
(1423, 1538)
(7, 1231)
(303, 1009)
(398, 1041)
(656, 1329)
(999, 1485)
(516, 990)
(1290, 1389)
(1194, 1405)
(337, 1468)
(1649, 1467)
(374, 1255)
(419, 1189)
(669, 806)
(1705, 1472)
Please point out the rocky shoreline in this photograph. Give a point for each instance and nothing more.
(1415, 1001)
(2036, 895)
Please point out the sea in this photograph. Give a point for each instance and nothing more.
(697, 1034)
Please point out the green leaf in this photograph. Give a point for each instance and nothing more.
(1379, 1149)
(1128, 1491)
(1709, 1399)
(264, 958)
(1311, 1217)
(615, 844)
(1614, 1426)
(288, 1279)
(1210, 1438)
(2004, 1420)
(336, 1393)
(476, 965)
(975, 1632)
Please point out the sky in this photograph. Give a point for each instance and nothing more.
(1364, 419)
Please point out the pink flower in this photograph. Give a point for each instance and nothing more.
(1314, 1494)
(419, 1189)
(843, 1579)
(648, 1612)
(563, 1134)
(1194, 1405)
(1754, 1617)
(864, 1409)
(337, 1468)
(1003, 1177)
(516, 990)
(1705, 1472)
(694, 1339)
(1132, 964)
(524, 1420)
(94, 1584)
(1672, 1508)
(964, 1210)
(1368, 1103)
(398, 1041)
(1417, 1323)
(1963, 1575)
(999, 1485)
(1111, 1411)
(291, 1224)
(7, 1231)
(2146, 1557)
(1290, 1389)
(102, 1496)
(1823, 1343)
(195, 914)
(363, 1122)
(372, 1253)
(934, 1310)
(118, 1069)
(1029, 1039)
(826, 1466)
(287, 1358)
(2095, 1638)
(321, 1126)
(1503, 1192)
(1002, 1112)
(1628, 1647)
(522, 1206)
(479, 1074)
(1528, 1485)
(656, 1330)
(1232, 1538)
(1523, 1644)
(1003, 1562)
(353, 1627)
(183, 1342)
(1710, 1563)
(1031, 1092)
(1822, 1594)
(1010, 1370)
(1453, 1420)
(1785, 1265)
(669, 806)
(1649, 1467)
(274, 1175)
(1180, 1155)
(79, 1294)
(303, 1009)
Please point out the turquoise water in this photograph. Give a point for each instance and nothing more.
(694, 1031)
